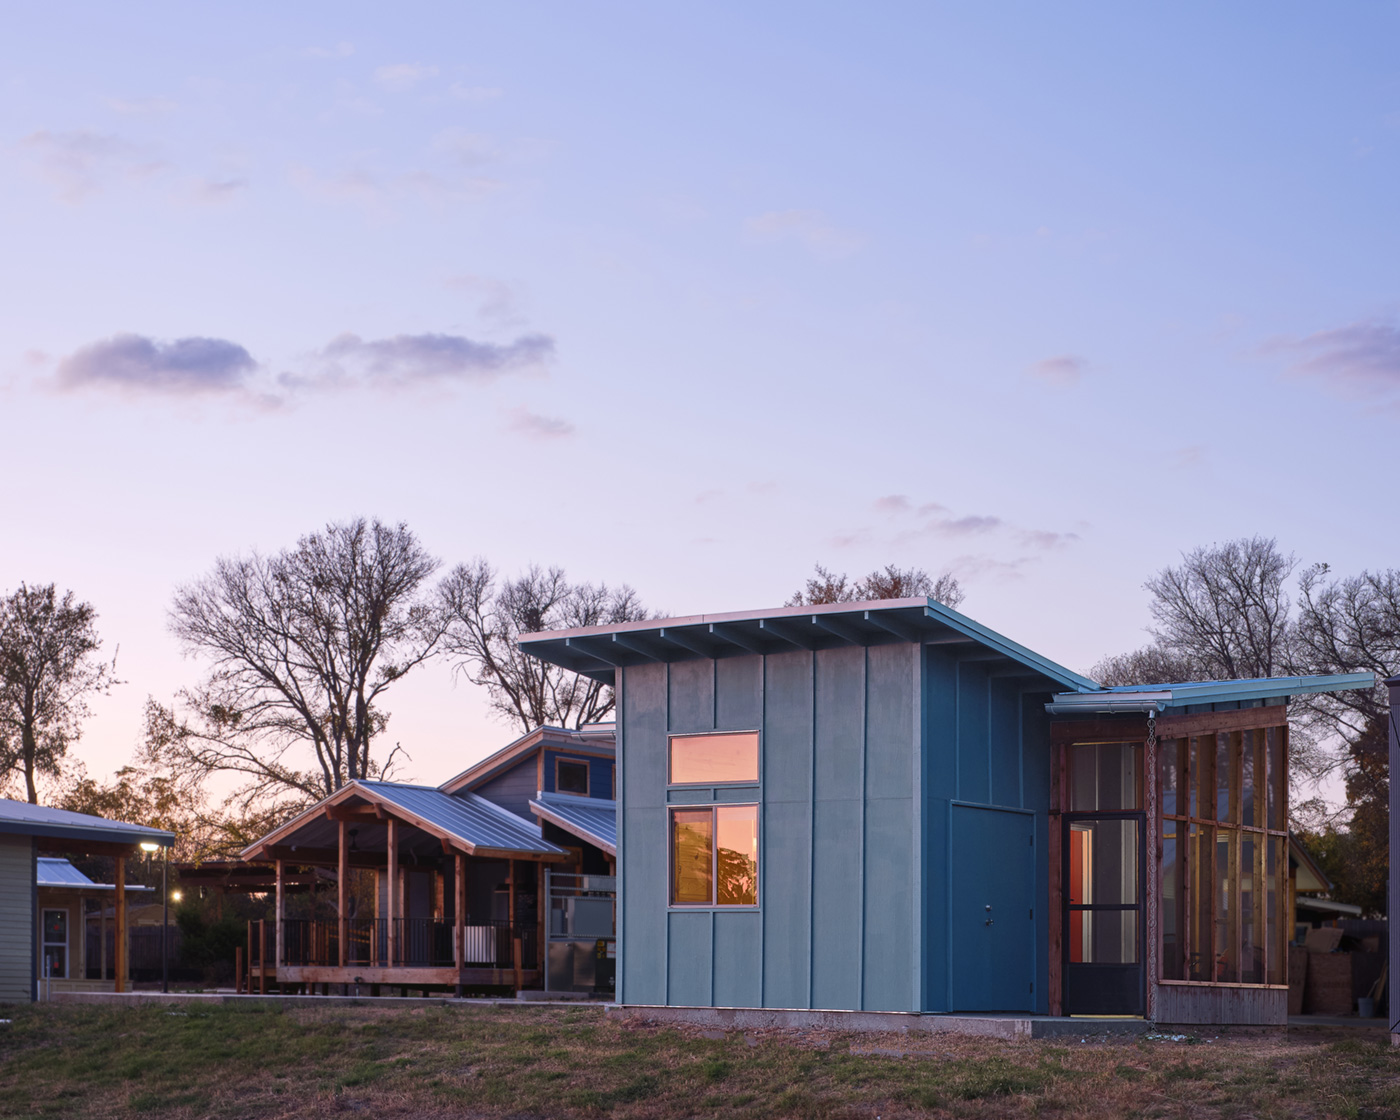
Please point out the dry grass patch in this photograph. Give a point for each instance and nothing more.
(477, 1061)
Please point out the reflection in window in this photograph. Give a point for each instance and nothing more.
(714, 856)
(714, 759)
(1103, 871)
(692, 856)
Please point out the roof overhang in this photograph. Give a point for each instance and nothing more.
(574, 818)
(375, 802)
(18, 818)
(598, 651)
(1155, 699)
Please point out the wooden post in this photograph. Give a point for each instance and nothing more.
(541, 921)
(277, 926)
(102, 939)
(119, 950)
(342, 922)
(514, 928)
(459, 919)
(238, 970)
(392, 893)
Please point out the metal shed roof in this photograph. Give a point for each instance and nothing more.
(1163, 697)
(588, 818)
(56, 872)
(597, 651)
(22, 819)
(466, 819)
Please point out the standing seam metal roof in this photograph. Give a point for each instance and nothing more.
(588, 818)
(468, 816)
(21, 818)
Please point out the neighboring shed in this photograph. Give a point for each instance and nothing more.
(26, 831)
(887, 806)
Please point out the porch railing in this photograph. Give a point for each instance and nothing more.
(419, 942)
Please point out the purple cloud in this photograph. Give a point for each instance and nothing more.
(1061, 372)
(409, 358)
(527, 423)
(133, 362)
(1360, 358)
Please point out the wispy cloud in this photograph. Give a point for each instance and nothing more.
(1062, 372)
(900, 503)
(1361, 359)
(140, 106)
(339, 50)
(403, 76)
(467, 149)
(378, 192)
(497, 300)
(78, 164)
(970, 525)
(476, 94)
(138, 364)
(810, 228)
(217, 190)
(1045, 539)
(419, 358)
(534, 426)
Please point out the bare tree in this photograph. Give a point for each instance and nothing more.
(1153, 664)
(48, 666)
(1345, 626)
(303, 645)
(487, 620)
(1224, 609)
(889, 582)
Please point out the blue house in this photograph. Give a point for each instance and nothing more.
(887, 807)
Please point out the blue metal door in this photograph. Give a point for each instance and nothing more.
(992, 909)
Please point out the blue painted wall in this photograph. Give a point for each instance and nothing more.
(865, 753)
(600, 772)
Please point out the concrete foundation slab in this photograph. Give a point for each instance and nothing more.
(989, 1025)
(138, 998)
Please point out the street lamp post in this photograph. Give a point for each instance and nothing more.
(164, 915)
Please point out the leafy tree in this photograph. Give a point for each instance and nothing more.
(889, 582)
(303, 646)
(487, 619)
(48, 667)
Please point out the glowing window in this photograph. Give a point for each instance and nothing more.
(708, 760)
(714, 856)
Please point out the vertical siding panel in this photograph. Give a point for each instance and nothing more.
(940, 720)
(692, 697)
(739, 693)
(890, 863)
(642, 757)
(737, 959)
(836, 826)
(1004, 730)
(18, 957)
(973, 783)
(689, 958)
(787, 855)
(1036, 770)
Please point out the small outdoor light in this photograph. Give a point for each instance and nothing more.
(176, 896)
(150, 848)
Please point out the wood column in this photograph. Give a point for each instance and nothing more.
(119, 949)
(541, 920)
(459, 917)
(391, 893)
(1152, 917)
(277, 922)
(342, 874)
(102, 939)
(515, 942)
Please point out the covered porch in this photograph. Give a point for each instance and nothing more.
(455, 883)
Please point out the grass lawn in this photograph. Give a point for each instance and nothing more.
(250, 1061)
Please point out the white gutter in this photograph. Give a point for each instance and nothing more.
(1109, 704)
